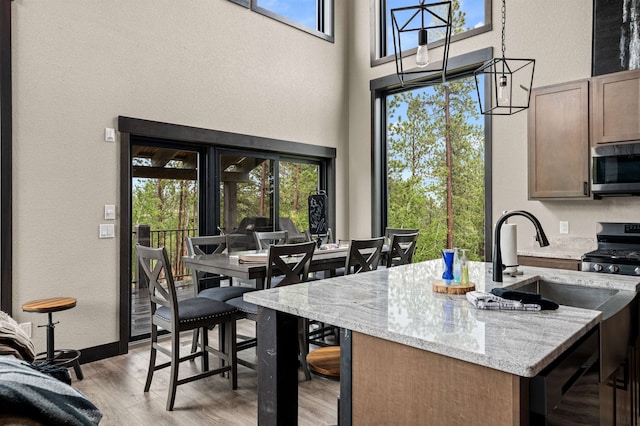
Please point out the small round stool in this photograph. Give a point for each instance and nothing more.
(325, 362)
(60, 357)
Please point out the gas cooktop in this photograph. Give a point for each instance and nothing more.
(618, 250)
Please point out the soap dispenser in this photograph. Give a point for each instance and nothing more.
(457, 271)
(464, 268)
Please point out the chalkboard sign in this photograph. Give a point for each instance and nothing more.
(318, 214)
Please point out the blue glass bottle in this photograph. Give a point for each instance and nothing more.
(447, 258)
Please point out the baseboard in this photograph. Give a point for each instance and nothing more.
(97, 353)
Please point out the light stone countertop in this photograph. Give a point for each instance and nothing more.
(397, 304)
(560, 248)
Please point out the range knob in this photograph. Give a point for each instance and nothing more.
(614, 269)
(597, 267)
(637, 270)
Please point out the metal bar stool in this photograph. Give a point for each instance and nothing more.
(60, 357)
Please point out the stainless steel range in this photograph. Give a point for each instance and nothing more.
(618, 250)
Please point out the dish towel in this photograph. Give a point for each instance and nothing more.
(525, 297)
(481, 300)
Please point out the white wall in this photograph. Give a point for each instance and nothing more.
(79, 64)
(558, 35)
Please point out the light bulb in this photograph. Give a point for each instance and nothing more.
(422, 55)
(503, 91)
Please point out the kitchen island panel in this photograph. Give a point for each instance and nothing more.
(397, 384)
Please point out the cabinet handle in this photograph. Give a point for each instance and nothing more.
(585, 188)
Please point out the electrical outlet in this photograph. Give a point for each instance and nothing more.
(564, 227)
(26, 327)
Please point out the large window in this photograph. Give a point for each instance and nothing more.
(432, 162)
(312, 16)
(435, 167)
(471, 17)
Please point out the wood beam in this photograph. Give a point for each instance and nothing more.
(164, 173)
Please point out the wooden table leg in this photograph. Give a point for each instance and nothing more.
(277, 368)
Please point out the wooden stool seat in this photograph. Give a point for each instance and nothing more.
(325, 361)
(53, 356)
(53, 304)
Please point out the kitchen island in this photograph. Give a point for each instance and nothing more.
(410, 353)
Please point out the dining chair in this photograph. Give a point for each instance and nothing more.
(202, 245)
(363, 256)
(269, 238)
(208, 285)
(175, 316)
(401, 249)
(389, 232)
(287, 264)
(388, 235)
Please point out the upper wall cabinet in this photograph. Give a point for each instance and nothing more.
(558, 141)
(616, 107)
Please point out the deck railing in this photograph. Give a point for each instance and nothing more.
(173, 240)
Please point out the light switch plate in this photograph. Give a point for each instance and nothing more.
(107, 230)
(564, 227)
(109, 134)
(109, 212)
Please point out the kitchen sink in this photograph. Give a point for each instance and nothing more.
(618, 308)
(570, 295)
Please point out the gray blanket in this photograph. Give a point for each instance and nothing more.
(30, 393)
(13, 341)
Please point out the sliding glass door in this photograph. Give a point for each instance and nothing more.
(256, 189)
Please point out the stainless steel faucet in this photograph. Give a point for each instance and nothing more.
(541, 238)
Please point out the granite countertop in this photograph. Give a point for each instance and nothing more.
(560, 248)
(397, 304)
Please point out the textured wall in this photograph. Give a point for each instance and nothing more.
(558, 36)
(78, 64)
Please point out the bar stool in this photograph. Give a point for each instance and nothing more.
(59, 357)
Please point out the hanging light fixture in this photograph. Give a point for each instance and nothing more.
(511, 80)
(412, 23)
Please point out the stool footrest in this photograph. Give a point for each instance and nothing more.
(62, 358)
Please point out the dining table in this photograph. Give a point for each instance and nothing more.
(252, 264)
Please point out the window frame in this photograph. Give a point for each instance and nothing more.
(378, 33)
(459, 66)
(324, 21)
(244, 3)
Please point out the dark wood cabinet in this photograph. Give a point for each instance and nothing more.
(615, 115)
(558, 141)
(548, 262)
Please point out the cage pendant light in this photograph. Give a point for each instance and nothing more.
(422, 22)
(511, 81)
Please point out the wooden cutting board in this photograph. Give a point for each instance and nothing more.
(440, 287)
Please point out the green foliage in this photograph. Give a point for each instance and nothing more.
(417, 171)
(297, 182)
(416, 163)
(156, 202)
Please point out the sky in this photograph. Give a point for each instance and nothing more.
(304, 11)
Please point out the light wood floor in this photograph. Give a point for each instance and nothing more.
(116, 386)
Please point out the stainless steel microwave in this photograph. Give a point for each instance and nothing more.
(616, 170)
